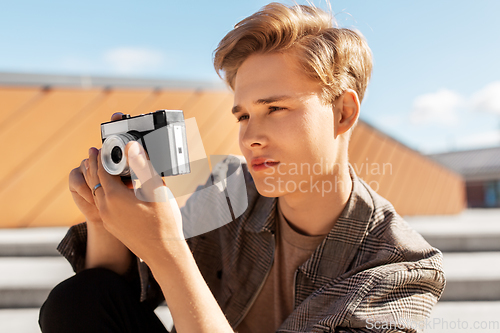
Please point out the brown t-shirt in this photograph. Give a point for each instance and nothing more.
(275, 301)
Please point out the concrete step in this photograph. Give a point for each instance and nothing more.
(30, 242)
(19, 320)
(472, 276)
(447, 317)
(452, 317)
(26, 281)
(472, 230)
(470, 317)
(26, 320)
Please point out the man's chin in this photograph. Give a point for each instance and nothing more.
(268, 191)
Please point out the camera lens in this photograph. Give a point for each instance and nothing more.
(112, 154)
(116, 154)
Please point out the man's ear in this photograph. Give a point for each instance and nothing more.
(345, 112)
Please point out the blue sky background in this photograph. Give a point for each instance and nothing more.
(436, 79)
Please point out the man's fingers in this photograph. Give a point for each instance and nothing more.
(152, 185)
(139, 163)
(93, 161)
(116, 116)
(78, 184)
(84, 171)
(92, 177)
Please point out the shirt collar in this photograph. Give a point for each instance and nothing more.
(338, 249)
(263, 215)
(335, 254)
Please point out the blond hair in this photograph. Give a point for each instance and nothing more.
(337, 58)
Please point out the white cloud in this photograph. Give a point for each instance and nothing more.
(129, 60)
(439, 108)
(483, 139)
(490, 138)
(487, 99)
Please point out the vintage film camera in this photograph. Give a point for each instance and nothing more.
(162, 134)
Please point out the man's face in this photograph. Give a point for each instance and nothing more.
(283, 119)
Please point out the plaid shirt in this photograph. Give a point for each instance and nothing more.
(372, 272)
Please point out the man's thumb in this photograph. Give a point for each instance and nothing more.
(138, 162)
(150, 181)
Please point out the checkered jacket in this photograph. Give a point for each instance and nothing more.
(372, 272)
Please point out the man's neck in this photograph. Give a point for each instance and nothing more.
(315, 213)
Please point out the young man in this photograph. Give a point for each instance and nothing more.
(300, 259)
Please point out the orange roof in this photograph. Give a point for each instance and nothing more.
(47, 132)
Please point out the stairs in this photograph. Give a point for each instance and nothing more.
(470, 243)
(30, 267)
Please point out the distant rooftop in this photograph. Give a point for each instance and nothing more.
(476, 164)
(77, 81)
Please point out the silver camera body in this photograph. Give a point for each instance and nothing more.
(162, 134)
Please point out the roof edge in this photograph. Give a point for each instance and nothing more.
(406, 146)
(88, 81)
(467, 150)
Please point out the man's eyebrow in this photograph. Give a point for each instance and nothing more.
(272, 99)
(263, 101)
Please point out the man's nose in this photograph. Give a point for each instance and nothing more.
(254, 135)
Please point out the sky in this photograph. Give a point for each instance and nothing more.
(436, 79)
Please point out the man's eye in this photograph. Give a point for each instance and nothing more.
(242, 118)
(271, 109)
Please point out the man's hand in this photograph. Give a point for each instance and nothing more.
(151, 227)
(144, 224)
(103, 249)
(82, 195)
(81, 190)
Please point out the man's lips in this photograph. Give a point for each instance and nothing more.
(261, 160)
(263, 163)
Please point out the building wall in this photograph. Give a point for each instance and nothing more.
(47, 132)
(413, 183)
(484, 193)
(475, 194)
